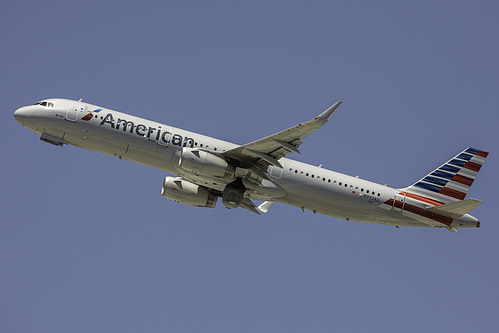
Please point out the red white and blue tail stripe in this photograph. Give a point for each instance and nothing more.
(452, 180)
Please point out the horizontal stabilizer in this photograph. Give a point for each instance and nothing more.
(456, 209)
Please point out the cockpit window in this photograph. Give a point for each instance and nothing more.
(45, 103)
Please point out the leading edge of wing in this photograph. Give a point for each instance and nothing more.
(269, 150)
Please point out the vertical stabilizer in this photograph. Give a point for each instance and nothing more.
(452, 180)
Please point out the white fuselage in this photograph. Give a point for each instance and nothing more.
(158, 145)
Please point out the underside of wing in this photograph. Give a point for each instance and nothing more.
(269, 150)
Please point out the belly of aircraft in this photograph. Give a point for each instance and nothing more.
(373, 213)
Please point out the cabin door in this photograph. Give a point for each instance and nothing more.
(399, 202)
(72, 113)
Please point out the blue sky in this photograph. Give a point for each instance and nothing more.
(87, 243)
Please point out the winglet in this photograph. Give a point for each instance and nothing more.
(329, 112)
(264, 207)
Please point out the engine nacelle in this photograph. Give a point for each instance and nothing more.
(180, 190)
(203, 163)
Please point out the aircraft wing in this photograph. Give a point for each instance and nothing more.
(269, 150)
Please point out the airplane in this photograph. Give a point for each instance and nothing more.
(206, 168)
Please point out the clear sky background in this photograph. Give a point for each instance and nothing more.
(87, 243)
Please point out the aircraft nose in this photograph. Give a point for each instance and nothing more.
(22, 114)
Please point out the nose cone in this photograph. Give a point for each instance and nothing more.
(22, 114)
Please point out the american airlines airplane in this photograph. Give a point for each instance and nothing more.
(207, 168)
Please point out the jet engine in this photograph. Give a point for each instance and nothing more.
(180, 190)
(204, 163)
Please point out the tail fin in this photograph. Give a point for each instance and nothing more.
(452, 180)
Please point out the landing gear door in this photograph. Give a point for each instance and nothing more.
(399, 202)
